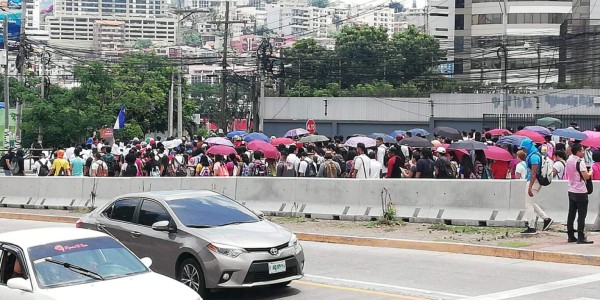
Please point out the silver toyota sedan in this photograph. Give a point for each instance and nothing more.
(204, 239)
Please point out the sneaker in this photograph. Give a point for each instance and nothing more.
(584, 241)
(529, 231)
(571, 240)
(547, 223)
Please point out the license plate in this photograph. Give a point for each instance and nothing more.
(277, 267)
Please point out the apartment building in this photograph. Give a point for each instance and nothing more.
(74, 20)
(109, 36)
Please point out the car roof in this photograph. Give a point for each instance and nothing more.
(172, 195)
(33, 237)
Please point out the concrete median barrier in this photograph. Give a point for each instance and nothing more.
(457, 202)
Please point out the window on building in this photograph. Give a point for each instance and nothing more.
(459, 4)
(459, 44)
(458, 66)
(459, 22)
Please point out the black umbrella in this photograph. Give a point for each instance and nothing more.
(447, 132)
(416, 142)
(468, 145)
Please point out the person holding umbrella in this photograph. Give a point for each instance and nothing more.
(533, 210)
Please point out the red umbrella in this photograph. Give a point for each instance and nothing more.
(285, 141)
(534, 136)
(459, 152)
(497, 132)
(269, 150)
(220, 149)
(592, 142)
(497, 153)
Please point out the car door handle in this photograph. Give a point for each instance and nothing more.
(135, 234)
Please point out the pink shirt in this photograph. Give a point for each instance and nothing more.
(576, 184)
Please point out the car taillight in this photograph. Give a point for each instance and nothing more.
(79, 223)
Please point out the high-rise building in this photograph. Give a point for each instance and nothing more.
(528, 29)
(74, 20)
(109, 36)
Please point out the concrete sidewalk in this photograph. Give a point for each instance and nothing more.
(549, 246)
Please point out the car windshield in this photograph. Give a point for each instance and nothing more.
(81, 261)
(211, 211)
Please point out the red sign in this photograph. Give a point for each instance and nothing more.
(311, 126)
(106, 133)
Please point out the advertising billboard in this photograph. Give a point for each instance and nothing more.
(12, 9)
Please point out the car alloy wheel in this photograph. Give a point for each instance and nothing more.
(191, 275)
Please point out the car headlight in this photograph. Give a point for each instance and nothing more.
(226, 250)
(293, 241)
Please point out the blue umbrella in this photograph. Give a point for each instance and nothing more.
(419, 131)
(386, 138)
(234, 133)
(257, 136)
(539, 129)
(514, 140)
(570, 133)
(396, 133)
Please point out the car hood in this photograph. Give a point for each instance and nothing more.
(262, 234)
(148, 286)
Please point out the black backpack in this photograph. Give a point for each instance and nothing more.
(130, 170)
(311, 170)
(44, 170)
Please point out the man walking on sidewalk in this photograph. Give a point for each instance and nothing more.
(578, 194)
(532, 209)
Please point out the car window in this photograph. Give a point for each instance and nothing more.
(11, 266)
(152, 212)
(123, 210)
(102, 255)
(210, 211)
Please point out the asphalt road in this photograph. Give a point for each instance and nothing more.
(352, 272)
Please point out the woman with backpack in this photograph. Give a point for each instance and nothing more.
(481, 165)
(17, 165)
(203, 169)
(558, 168)
(219, 168)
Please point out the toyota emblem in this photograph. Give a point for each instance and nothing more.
(274, 251)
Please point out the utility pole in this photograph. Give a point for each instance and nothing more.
(170, 129)
(504, 82)
(222, 118)
(179, 106)
(6, 86)
(44, 59)
(21, 71)
(539, 67)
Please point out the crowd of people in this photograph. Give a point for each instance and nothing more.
(537, 163)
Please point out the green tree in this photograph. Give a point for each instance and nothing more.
(311, 64)
(366, 55)
(142, 44)
(420, 50)
(192, 38)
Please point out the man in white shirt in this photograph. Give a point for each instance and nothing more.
(362, 163)
(69, 153)
(96, 165)
(292, 158)
(42, 161)
(376, 167)
(381, 152)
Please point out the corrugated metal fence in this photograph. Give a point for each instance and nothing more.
(585, 122)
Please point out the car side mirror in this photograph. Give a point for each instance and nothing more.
(260, 214)
(161, 226)
(147, 261)
(20, 284)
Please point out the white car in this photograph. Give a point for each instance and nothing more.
(70, 263)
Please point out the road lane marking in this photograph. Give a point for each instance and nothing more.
(355, 290)
(387, 286)
(540, 288)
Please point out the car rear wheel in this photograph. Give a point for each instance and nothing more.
(190, 274)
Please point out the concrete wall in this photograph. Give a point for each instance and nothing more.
(473, 202)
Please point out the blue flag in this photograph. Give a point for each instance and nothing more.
(120, 123)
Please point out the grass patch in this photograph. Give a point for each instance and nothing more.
(84, 210)
(514, 244)
(502, 231)
(383, 223)
(292, 219)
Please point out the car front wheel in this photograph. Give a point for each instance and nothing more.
(190, 274)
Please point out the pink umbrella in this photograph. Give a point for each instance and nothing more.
(592, 134)
(220, 149)
(285, 141)
(534, 136)
(269, 150)
(593, 142)
(498, 132)
(219, 141)
(497, 153)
